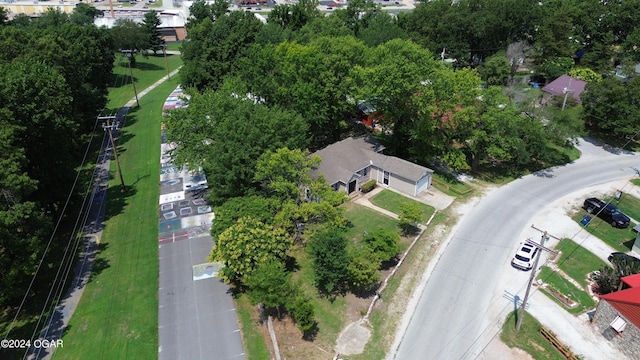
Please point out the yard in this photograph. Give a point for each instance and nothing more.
(528, 338)
(559, 284)
(393, 202)
(576, 261)
(619, 239)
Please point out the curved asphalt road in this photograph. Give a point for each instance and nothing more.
(455, 317)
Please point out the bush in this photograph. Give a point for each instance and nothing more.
(368, 186)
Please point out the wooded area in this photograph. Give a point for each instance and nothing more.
(295, 83)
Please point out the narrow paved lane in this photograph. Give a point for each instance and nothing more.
(459, 306)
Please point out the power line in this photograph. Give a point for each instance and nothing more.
(55, 230)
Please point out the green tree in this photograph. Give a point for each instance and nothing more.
(286, 174)
(23, 225)
(40, 103)
(585, 74)
(199, 11)
(294, 16)
(384, 243)
(328, 250)
(256, 207)
(247, 244)
(612, 105)
(213, 49)
(226, 133)
(130, 36)
(303, 312)
(363, 269)
(496, 70)
(409, 217)
(150, 25)
(393, 75)
(269, 284)
(84, 14)
(553, 68)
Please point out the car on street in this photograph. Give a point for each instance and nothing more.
(620, 256)
(607, 212)
(524, 257)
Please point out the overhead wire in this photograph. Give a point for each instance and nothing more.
(49, 242)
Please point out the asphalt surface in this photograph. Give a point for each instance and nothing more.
(462, 303)
(196, 314)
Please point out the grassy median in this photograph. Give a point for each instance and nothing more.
(117, 317)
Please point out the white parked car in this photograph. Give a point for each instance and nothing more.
(524, 257)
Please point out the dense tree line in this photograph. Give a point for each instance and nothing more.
(54, 73)
(262, 94)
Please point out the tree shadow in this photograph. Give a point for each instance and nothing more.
(409, 229)
(117, 199)
(99, 263)
(629, 243)
(311, 334)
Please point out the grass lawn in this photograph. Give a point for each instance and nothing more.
(628, 204)
(635, 182)
(450, 185)
(577, 262)
(254, 344)
(585, 302)
(117, 317)
(147, 71)
(174, 46)
(363, 219)
(528, 338)
(393, 202)
(619, 239)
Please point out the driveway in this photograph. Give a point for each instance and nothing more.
(459, 308)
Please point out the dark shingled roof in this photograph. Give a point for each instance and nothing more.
(344, 158)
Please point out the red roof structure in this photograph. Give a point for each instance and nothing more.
(564, 84)
(627, 301)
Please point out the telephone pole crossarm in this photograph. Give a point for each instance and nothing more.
(109, 126)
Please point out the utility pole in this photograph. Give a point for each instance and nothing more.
(109, 126)
(566, 93)
(166, 63)
(533, 274)
(129, 54)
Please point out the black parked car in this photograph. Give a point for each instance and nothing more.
(607, 212)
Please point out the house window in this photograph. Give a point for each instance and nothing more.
(618, 324)
(365, 171)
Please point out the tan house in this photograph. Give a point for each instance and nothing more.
(351, 162)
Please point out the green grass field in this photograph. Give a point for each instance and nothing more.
(363, 219)
(628, 204)
(619, 239)
(576, 261)
(117, 317)
(147, 71)
(393, 202)
(528, 338)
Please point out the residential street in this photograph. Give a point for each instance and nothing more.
(459, 308)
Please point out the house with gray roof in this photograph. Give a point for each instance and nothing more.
(355, 160)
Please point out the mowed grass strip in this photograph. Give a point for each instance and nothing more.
(147, 71)
(577, 262)
(117, 317)
(393, 202)
(362, 219)
(528, 338)
(619, 239)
